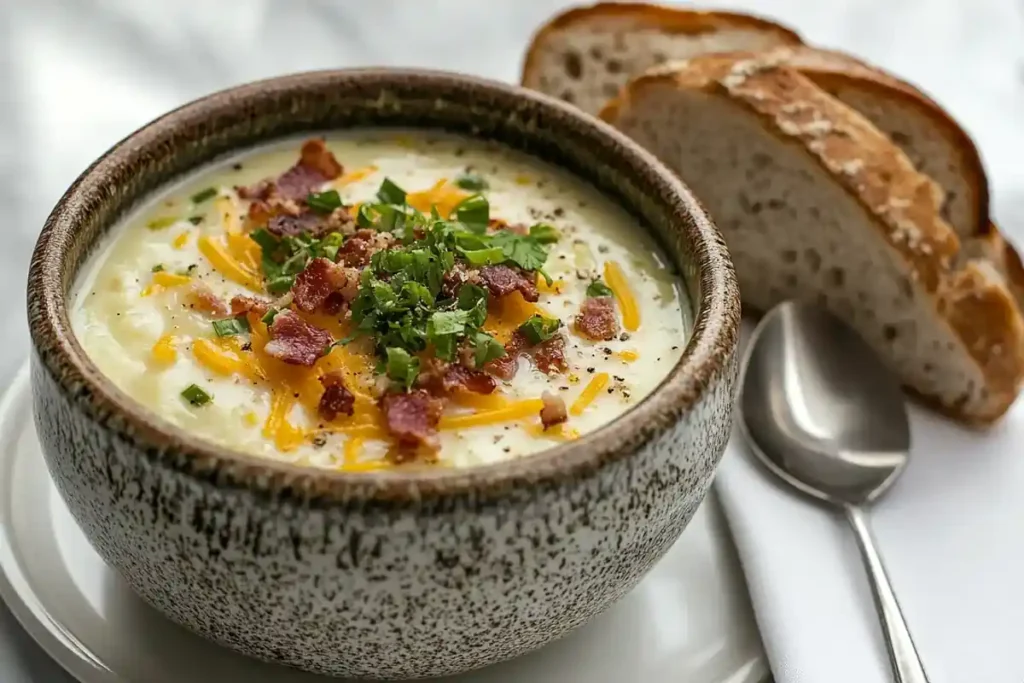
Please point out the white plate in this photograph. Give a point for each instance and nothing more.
(689, 620)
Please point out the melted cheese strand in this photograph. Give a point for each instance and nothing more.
(513, 411)
(285, 435)
(620, 287)
(225, 264)
(589, 393)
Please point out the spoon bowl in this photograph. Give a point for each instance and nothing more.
(822, 412)
(820, 409)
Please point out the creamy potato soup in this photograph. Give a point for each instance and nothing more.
(384, 299)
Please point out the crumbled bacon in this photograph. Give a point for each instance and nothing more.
(283, 225)
(458, 276)
(596, 319)
(440, 378)
(412, 418)
(549, 356)
(316, 166)
(502, 280)
(241, 304)
(506, 366)
(319, 280)
(357, 249)
(497, 224)
(295, 341)
(336, 399)
(201, 298)
(552, 410)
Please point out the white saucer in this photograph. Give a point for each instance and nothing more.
(689, 620)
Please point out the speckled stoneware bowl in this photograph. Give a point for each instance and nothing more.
(382, 574)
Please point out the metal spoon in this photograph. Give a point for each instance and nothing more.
(821, 411)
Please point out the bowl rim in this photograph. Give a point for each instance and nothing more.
(709, 350)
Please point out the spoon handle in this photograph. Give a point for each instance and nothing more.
(906, 664)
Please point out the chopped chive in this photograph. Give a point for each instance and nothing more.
(157, 268)
(472, 182)
(269, 316)
(203, 195)
(195, 220)
(195, 395)
(329, 245)
(390, 193)
(598, 288)
(324, 202)
(162, 222)
(229, 327)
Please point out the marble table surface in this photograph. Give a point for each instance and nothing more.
(78, 75)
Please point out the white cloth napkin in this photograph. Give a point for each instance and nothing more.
(951, 532)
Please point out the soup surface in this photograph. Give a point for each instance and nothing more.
(382, 299)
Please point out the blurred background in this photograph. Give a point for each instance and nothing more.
(78, 75)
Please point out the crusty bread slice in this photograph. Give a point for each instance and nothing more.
(816, 203)
(585, 55)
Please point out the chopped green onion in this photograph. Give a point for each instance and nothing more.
(401, 366)
(539, 329)
(473, 210)
(484, 257)
(280, 284)
(324, 202)
(195, 220)
(162, 222)
(229, 327)
(544, 233)
(486, 348)
(472, 182)
(329, 245)
(390, 193)
(203, 195)
(598, 288)
(157, 268)
(195, 395)
(268, 317)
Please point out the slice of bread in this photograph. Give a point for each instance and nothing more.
(585, 55)
(816, 203)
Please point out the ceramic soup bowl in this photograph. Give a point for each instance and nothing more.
(384, 574)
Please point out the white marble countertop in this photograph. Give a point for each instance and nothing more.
(78, 76)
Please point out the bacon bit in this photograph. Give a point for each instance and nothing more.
(316, 166)
(357, 250)
(201, 298)
(319, 280)
(506, 366)
(553, 412)
(295, 341)
(502, 280)
(468, 379)
(260, 191)
(315, 155)
(288, 225)
(596, 319)
(262, 210)
(336, 399)
(549, 356)
(458, 276)
(412, 418)
(241, 304)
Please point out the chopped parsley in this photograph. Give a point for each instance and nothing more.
(203, 195)
(402, 367)
(539, 329)
(157, 268)
(285, 257)
(474, 211)
(390, 193)
(229, 327)
(324, 202)
(195, 395)
(599, 288)
(472, 182)
(544, 233)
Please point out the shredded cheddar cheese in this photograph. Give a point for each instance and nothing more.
(620, 287)
(355, 176)
(284, 434)
(229, 214)
(226, 264)
(468, 399)
(251, 419)
(180, 241)
(627, 355)
(516, 410)
(556, 286)
(510, 312)
(164, 351)
(162, 280)
(442, 195)
(523, 179)
(366, 466)
(353, 447)
(589, 393)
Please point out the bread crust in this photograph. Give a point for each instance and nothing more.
(978, 308)
(643, 16)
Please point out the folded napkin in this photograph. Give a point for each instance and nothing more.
(951, 532)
